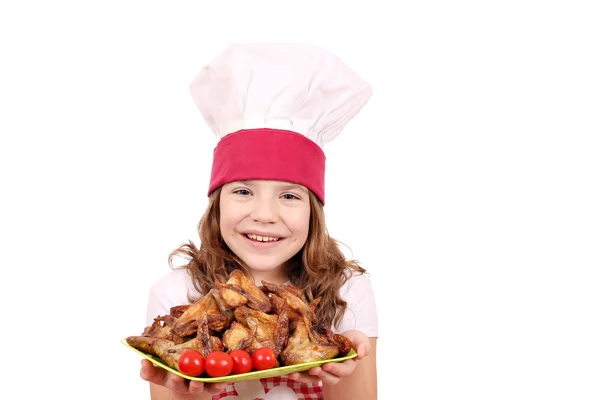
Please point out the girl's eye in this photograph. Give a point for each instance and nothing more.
(289, 196)
(243, 192)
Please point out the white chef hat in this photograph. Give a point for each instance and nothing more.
(273, 107)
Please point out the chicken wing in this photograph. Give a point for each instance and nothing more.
(162, 328)
(240, 291)
(343, 344)
(238, 337)
(269, 330)
(277, 304)
(222, 305)
(177, 311)
(296, 303)
(296, 291)
(282, 329)
(206, 342)
(307, 345)
(170, 351)
(142, 343)
(159, 344)
(187, 323)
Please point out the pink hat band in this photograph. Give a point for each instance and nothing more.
(270, 154)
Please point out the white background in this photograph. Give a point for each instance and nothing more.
(468, 186)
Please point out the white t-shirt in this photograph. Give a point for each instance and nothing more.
(361, 314)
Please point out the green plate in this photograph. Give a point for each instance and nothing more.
(269, 373)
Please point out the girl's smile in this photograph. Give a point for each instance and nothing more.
(265, 223)
(263, 240)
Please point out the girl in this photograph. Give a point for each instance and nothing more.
(273, 107)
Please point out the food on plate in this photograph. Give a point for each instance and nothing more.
(191, 363)
(242, 361)
(218, 363)
(264, 358)
(238, 327)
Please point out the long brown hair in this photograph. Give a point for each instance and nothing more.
(319, 268)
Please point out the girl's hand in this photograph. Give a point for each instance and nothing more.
(176, 383)
(332, 373)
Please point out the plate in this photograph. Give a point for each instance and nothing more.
(269, 373)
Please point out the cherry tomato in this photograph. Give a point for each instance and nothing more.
(218, 363)
(191, 363)
(264, 358)
(242, 362)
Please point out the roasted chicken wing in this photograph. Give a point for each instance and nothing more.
(207, 343)
(241, 291)
(170, 351)
(142, 343)
(269, 330)
(238, 337)
(298, 304)
(187, 323)
(307, 345)
(162, 328)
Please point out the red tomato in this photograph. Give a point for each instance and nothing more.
(218, 364)
(191, 363)
(264, 358)
(242, 362)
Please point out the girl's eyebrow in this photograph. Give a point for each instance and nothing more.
(283, 186)
(287, 187)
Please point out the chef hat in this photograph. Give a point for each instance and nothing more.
(273, 107)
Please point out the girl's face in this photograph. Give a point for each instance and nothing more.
(265, 223)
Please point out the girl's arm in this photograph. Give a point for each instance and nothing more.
(360, 385)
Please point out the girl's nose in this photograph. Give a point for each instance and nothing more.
(265, 211)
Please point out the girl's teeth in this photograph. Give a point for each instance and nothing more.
(262, 238)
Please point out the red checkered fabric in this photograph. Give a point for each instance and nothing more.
(303, 391)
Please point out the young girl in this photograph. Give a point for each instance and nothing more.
(273, 108)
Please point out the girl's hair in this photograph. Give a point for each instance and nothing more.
(319, 268)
